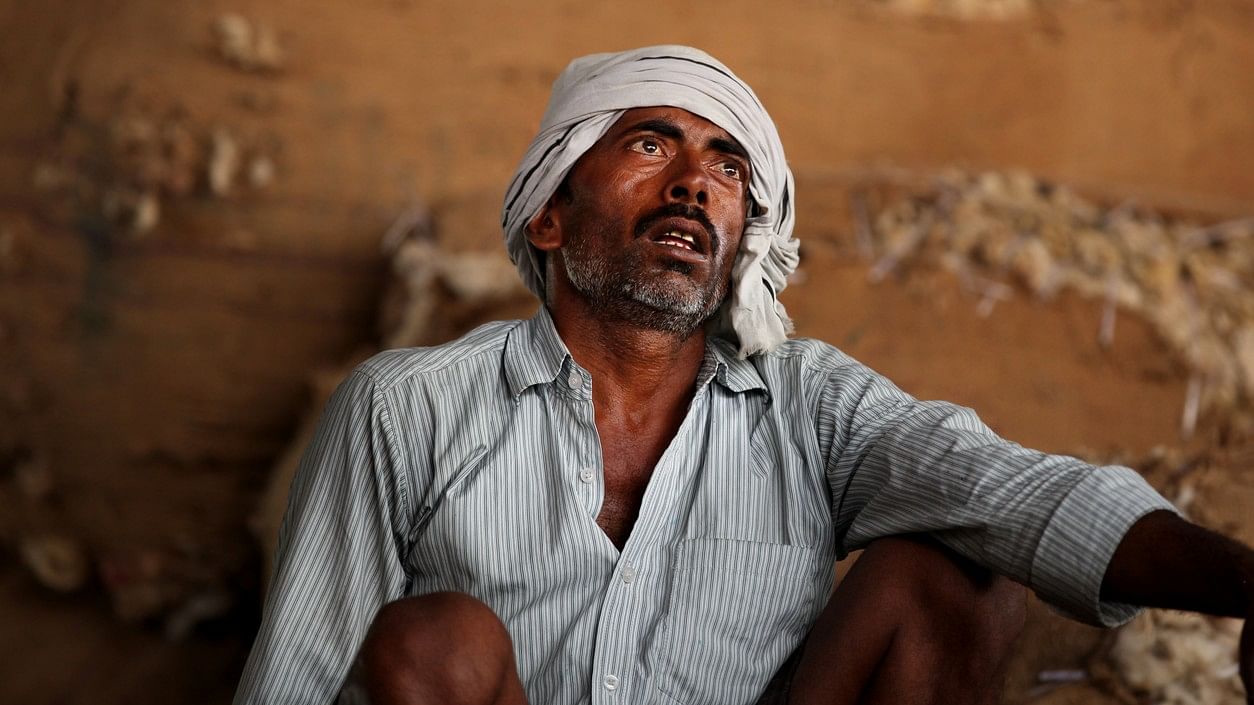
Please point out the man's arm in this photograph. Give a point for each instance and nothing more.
(340, 552)
(1165, 561)
(897, 465)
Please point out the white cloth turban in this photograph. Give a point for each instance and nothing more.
(588, 99)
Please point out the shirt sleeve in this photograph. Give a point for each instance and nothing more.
(897, 465)
(340, 552)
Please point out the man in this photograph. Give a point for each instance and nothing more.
(638, 495)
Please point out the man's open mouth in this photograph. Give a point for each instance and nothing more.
(676, 238)
(681, 234)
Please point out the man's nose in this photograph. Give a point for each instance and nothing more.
(688, 182)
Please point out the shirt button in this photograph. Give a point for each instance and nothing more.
(573, 380)
(611, 681)
(629, 573)
(586, 477)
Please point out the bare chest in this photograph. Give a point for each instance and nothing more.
(628, 460)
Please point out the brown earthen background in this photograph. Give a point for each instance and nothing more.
(159, 376)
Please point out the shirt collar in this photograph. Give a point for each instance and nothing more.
(535, 354)
(730, 370)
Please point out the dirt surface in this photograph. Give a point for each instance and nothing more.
(67, 649)
(157, 369)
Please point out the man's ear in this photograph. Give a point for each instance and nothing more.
(544, 231)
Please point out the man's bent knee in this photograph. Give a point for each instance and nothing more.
(444, 647)
(960, 607)
(939, 628)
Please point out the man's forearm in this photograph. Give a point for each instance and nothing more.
(1165, 561)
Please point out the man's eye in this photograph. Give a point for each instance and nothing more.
(647, 146)
(733, 170)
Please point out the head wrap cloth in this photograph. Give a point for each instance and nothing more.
(592, 93)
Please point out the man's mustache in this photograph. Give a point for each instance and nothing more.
(679, 210)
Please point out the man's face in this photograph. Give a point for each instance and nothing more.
(651, 219)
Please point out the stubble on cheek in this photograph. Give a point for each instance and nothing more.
(629, 287)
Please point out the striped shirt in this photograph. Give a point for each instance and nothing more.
(475, 467)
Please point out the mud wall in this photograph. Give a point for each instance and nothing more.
(192, 198)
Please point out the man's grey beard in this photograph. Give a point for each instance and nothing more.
(617, 289)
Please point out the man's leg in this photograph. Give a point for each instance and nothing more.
(445, 648)
(911, 624)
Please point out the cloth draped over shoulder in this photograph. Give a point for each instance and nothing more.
(589, 97)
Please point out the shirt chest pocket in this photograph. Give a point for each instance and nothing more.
(737, 609)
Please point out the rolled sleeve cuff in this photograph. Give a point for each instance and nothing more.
(1081, 537)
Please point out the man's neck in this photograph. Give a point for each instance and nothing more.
(634, 369)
